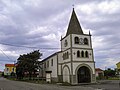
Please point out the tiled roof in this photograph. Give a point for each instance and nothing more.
(98, 69)
(9, 65)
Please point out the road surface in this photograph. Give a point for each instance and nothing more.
(16, 85)
(107, 85)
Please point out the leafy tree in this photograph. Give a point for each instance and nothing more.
(109, 72)
(27, 63)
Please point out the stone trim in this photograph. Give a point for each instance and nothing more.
(57, 64)
(86, 65)
(76, 62)
(82, 48)
(90, 42)
(71, 60)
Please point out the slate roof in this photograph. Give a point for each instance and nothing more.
(74, 26)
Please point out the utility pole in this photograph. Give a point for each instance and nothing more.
(119, 77)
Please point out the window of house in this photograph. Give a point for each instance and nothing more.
(7, 69)
(51, 62)
(47, 63)
(76, 40)
(85, 41)
(13, 69)
(82, 54)
(63, 56)
(78, 53)
(44, 64)
(86, 54)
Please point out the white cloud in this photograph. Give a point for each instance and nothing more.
(41, 23)
(6, 21)
(98, 41)
(109, 6)
(38, 30)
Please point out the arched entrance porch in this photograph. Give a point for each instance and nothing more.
(84, 75)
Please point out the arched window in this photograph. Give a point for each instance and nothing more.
(67, 55)
(63, 56)
(78, 53)
(51, 62)
(86, 53)
(82, 54)
(85, 41)
(76, 40)
(44, 64)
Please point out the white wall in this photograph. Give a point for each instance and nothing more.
(63, 43)
(51, 68)
(66, 74)
(79, 45)
(89, 58)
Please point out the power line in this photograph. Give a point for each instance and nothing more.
(16, 45)
(26, 46)
(6, 56)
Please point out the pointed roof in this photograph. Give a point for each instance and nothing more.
(74, 25)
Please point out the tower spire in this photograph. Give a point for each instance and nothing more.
(74, 25)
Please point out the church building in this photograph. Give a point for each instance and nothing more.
(75, 62)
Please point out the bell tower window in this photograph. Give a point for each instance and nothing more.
(76, 40)
(78, 53)
(86, 54)
(85, 41)
(67, 55)
(82, 54)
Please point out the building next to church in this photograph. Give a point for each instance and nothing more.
(118, 69)
(99, 73)
(9, 68)
(75, 62)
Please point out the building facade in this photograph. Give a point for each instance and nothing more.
(75, 62)
(118, 69)
(118, 65)
(1, 73)
(9, 68)
(99, 73)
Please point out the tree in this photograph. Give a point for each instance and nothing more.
(27, 63)
(109, 72)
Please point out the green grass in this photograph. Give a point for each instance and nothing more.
(113, 78)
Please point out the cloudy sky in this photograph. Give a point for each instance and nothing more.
(27, 25)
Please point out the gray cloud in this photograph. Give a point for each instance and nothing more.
(40, 24)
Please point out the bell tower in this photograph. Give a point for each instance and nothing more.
(78, 64)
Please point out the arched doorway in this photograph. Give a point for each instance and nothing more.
(84, 75)
(66, 74)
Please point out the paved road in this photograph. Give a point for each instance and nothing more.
(108, 85)
(16, 85)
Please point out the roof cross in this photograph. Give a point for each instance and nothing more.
(73, 5)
